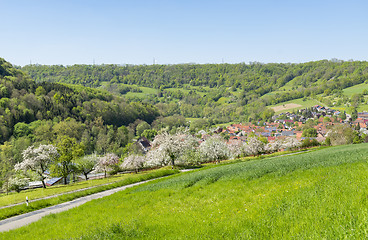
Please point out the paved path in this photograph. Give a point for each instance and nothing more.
(27, 218)
(59, 194)
(55, 195)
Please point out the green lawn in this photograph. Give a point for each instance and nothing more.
(316, 195)
(355, 89)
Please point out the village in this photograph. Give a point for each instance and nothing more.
(292, 125)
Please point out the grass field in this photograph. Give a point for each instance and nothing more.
(39, 204)
(316, 195)
(302, 104)
(355, 89)
(49, 191)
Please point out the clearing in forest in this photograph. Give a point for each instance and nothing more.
(286, 107)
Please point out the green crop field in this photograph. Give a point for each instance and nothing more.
(355, 89)
(316, 195)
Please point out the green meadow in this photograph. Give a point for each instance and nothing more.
(315, 195)
(356, 89)
(68, 196)
(14, 197)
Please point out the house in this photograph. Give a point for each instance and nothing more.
(219, 130)
(363, 115)
(144, 144)
(298, 134)
(54, 181)
(287, 133)
(270, 139)
(35, 184)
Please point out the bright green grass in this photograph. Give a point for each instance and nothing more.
(223, 100)
(192, 119)
(145, 91)
(362, 108)
(316, 195)
(49, 191)
(304, 104)
(39, 204)
(355, 89)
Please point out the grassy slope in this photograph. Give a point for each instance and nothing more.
(49, 191)
(355, 89)
(39, 204)
(14, 197)
(304, 104)
(316, 195)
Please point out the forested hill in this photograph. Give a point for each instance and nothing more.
(217, 92)
(253, 78)
(24, 100)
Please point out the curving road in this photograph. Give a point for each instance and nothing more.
(27, 218)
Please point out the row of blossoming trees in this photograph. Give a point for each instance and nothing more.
(61, 161)
(167, 149)
(184, 149)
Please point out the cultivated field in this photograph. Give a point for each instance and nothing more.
(294, 105)
(316, 195)
(286, 107)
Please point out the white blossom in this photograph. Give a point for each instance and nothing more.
(214, 149)
(17, 183)
(38, 159)
(107, 162)
(254, 146)
(168, 149)
(274, 146)
(290, 143)
(236, 148)
(133, 162)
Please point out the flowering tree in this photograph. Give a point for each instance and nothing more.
(133, 162)
(17, 183)
(168, 148)
(273, 146)
(254, 146)
(214, 149)
(38, 160)
(86, 164)
(290, 143)
(107, 162)
(156, 157)
(236, 148)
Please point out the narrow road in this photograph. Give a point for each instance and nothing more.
(56, 195)
(27, 218)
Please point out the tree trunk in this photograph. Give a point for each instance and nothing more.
(65, 183)
(43, 183)
(85, 175)
(105, 173)
(172, 162)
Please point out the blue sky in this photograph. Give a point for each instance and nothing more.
(134, 32)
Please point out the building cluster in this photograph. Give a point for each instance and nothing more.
(291, 124)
